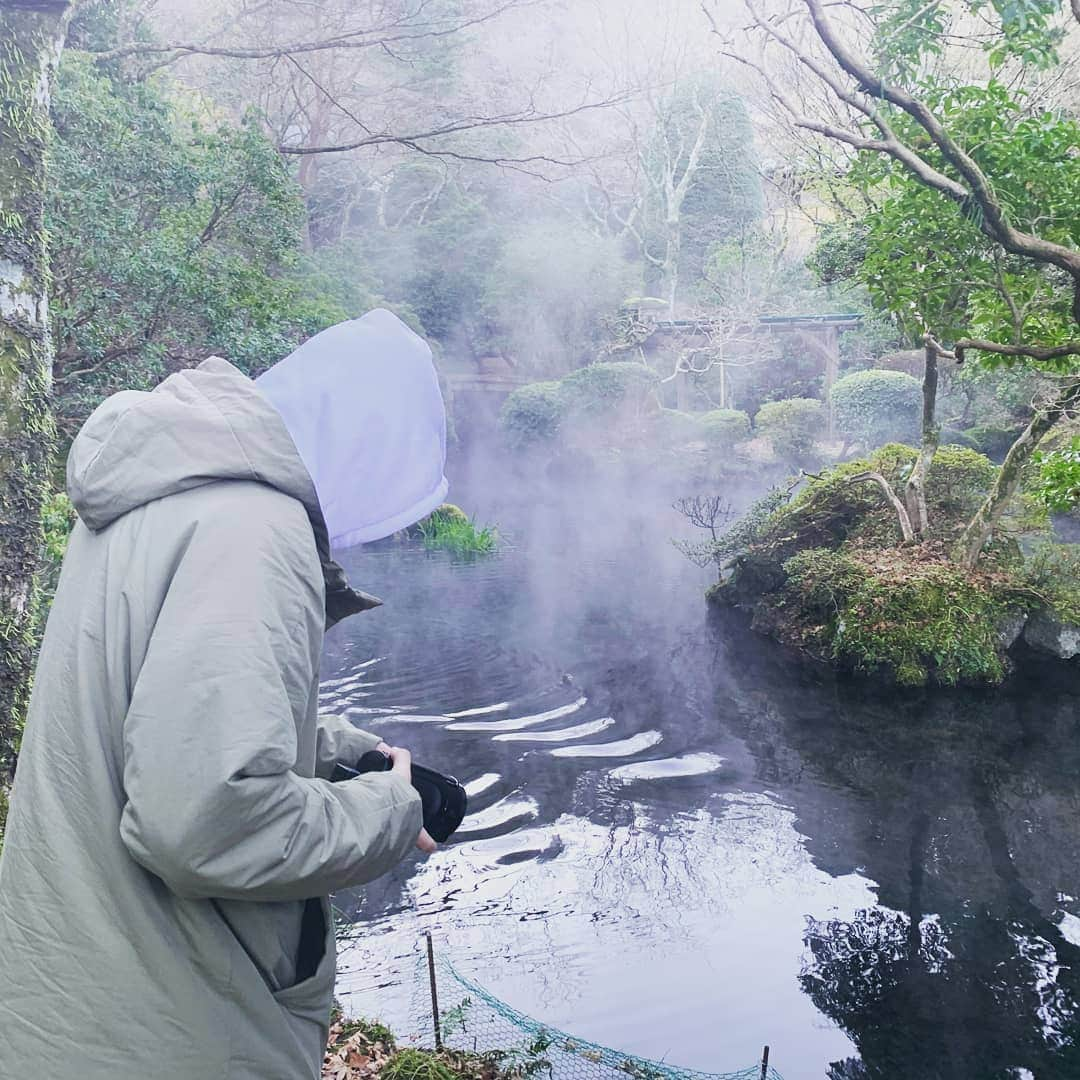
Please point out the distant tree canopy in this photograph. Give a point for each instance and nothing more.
(700, 184)
(723, 196)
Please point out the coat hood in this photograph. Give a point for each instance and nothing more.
(199, 426)
(362, 403)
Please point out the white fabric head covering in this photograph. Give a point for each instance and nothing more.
(361, 401)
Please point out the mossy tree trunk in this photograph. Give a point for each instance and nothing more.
(915, 491)
(982, 525)
(31, 38)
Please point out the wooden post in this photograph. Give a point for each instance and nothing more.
(434, 993)
(832, 369)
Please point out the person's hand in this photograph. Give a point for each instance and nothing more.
(402, 764)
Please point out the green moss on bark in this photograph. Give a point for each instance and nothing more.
(30, 41)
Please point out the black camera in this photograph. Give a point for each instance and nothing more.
(443, 798)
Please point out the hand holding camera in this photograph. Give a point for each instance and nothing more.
(443, 799)
(401, 763)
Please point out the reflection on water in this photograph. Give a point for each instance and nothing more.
(681, 847)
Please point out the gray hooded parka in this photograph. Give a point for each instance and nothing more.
(172, 833)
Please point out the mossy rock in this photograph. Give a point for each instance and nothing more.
(752, 575)
(825, 571)
(1045, 632)
(449, 512)
(902, 615)
(832, 509)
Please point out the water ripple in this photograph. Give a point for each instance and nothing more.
(519, 722)
(622, 748)
(579, 731)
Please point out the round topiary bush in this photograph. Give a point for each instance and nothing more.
(791, 425)
(675, 428)
(532, 414)
(876, 407)
(994, 442)
(605, 387)
(723, 428)
(957, 483)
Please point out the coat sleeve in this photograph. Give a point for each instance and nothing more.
(210, 740)
(338, 741)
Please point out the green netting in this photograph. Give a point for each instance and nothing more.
(474, 1019)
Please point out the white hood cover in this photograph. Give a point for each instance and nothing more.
(361, 401)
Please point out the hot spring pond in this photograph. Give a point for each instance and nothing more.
(683, 847)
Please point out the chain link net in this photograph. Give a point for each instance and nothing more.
(473, 1019)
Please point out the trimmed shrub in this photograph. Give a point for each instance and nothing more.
(791, 425)
(875, 407)
(723, 428)
(604, 387)
(958, 482)
(994, 442)
(675, 428)
(532, 414)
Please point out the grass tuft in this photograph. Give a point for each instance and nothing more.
(449, 529)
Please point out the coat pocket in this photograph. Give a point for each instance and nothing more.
(310, 997)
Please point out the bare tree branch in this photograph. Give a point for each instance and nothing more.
(1032, 352)
(886, 488)
(413, 140)
(368, 38)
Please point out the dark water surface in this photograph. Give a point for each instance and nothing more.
(684, 847)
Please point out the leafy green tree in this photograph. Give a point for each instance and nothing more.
(971, 234)
(176, 235)
(1059, 477)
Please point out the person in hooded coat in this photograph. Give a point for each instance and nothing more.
(173, 833)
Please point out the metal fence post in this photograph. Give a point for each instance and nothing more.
(765, 1064)
(435, 995)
